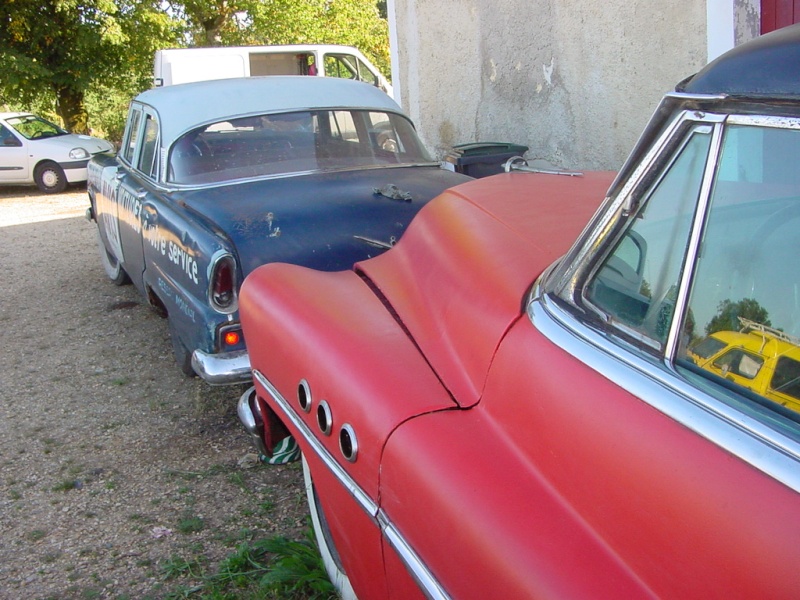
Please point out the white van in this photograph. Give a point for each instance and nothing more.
(184, 65)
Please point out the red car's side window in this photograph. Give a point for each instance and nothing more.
(745, 294)
(636, 284)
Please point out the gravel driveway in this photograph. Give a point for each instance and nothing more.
(114, 466)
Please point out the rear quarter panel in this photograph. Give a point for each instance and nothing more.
(330, 330)
(179, 248)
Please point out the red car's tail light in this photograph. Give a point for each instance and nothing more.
(222, 285)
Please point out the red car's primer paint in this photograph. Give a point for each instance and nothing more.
(293, 313)
(297, 313)
(508, 228)
(603, 496)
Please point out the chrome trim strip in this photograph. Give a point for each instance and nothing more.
(743, 436)
(360, 496)
(695, 239)
(416, 567)
(432, 589)
(222, 369)
(171, 186)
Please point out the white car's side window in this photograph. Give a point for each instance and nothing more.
(7, 139)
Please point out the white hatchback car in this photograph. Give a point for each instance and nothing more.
(34, 150)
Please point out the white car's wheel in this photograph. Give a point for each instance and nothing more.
(50, 178)
(330, 557)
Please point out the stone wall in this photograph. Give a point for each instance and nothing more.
(573, 81)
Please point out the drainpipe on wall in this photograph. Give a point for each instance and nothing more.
(719, 27)
(395, 59)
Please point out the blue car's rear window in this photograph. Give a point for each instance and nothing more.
(293, 142)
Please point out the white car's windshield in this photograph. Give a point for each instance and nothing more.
(34, 128)
(294, 142)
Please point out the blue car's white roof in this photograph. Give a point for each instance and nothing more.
(183, 107)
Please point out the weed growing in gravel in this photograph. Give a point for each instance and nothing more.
(273, 568)
(66, 486)
(177, 566)
(191, 524)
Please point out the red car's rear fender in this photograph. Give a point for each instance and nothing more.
(366, 379)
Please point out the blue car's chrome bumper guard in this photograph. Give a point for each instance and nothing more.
(222, 369)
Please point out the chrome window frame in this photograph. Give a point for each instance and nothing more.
(557, 308)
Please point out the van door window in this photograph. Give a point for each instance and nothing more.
(343, 66)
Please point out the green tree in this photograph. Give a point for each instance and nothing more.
(61, 48)
(728, 313)
(356, 23)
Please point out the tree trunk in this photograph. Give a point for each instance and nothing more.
(212, 28)
(71, 108)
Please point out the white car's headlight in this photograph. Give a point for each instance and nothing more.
(78, 153)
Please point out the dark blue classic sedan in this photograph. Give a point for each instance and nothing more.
(216, 178)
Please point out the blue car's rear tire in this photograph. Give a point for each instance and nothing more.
(111, 265)
(183, 356)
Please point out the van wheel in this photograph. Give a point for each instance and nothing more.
(50, 178)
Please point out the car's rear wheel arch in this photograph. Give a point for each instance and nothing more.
(327, 547)
(111, 264)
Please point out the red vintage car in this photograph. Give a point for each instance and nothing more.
(505, 405)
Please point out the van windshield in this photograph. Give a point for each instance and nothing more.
(295, 142)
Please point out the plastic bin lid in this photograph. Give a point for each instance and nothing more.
(482, 148)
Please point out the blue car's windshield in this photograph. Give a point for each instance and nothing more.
(293, 142)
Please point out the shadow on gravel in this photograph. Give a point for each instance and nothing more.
(114, 466)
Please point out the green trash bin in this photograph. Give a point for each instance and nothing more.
(481, 159)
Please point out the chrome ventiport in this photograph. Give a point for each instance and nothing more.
(324, 418)
(348, 443)
(304, 395)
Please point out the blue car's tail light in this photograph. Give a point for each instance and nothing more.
(222, 285)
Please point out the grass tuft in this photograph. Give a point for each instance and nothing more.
(276, 567)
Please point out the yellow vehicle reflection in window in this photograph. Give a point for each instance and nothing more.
(760, 358)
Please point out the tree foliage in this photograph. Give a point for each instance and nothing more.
(60, 48)
(728, 313)
(62, 56)
(358, 23)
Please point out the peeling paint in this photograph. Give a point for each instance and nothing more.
(548, 72)
(273, 231)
